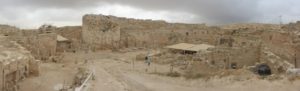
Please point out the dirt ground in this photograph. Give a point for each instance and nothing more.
(117, 71)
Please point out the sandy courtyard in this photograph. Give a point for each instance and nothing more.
(115, 71)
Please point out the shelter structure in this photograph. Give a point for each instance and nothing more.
(190, 48)
(63, 44)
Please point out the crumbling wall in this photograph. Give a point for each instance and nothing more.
(166, 34)
(15, 64)
(234, 48)
(224, 57)
(297, 56)
(46, 45)
(9, 30)
(145, 39)
(252, 26)
(109, 32)
(43, 42)
(42, 46)
(281, 44)
(100, 32)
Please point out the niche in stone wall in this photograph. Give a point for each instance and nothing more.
(270, 37)
(244, 43)
(233, 65)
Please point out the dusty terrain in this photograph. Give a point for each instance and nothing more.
(116, 71)
(108, 53)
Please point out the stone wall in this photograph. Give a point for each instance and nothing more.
(252, 26)
(280, 43)
(9, 30)
(46, 46)
(100, 32)
(224, 57)
(16, 63)
(109, 32)
(43, 45)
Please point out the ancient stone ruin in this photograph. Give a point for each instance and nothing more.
(118, 51)
(16, 64)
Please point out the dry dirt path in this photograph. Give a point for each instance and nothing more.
(110, 78)
(104, 81)
(114, 72)
(129, 81)
(117, 71)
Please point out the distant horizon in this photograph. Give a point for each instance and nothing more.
(33, 13)
(36, 27)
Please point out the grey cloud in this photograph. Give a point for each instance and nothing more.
(216, 11)
(224, 11)
(208, 11)
(221, 11)
(51, 3)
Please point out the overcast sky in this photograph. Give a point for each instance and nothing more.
(33, 13)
